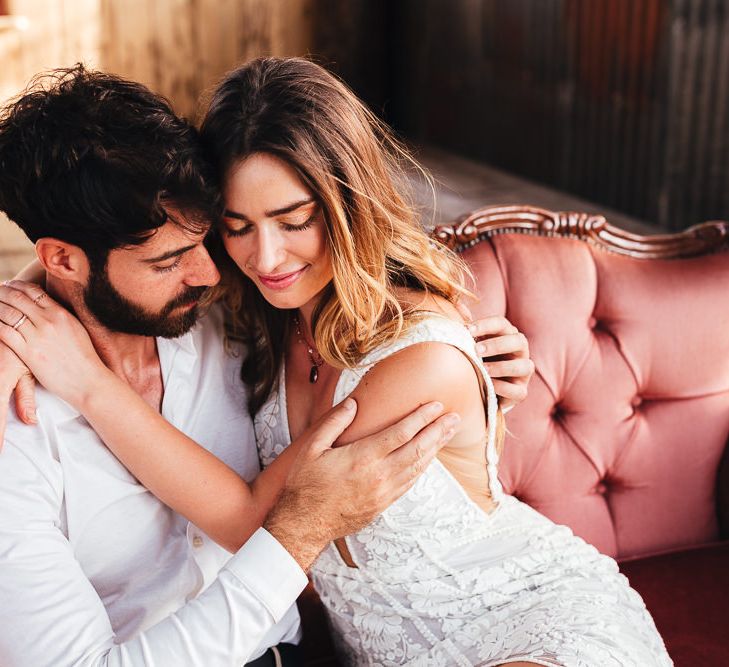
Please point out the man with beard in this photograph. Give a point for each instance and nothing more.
(110, 186)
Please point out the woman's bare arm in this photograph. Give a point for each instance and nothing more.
(15, 378)
(32, 273)
(176, 469)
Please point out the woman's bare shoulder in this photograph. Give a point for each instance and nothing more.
(417, 300)
(417, 374)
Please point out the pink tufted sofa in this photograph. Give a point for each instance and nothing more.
(623, 436)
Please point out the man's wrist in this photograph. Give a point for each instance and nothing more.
(301, 537)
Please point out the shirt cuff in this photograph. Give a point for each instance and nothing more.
(269, 571)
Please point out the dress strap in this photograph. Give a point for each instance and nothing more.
(436, 328)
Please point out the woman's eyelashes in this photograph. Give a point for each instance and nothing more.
(240, 231)
(302, 226)
(289, 227)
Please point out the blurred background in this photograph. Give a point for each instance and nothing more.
(612, 106)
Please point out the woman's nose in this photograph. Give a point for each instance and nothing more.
(269, 251)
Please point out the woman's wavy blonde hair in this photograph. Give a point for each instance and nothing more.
(294, 109)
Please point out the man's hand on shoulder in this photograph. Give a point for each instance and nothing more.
(334, 492)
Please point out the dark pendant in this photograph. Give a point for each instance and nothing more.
(313, 374)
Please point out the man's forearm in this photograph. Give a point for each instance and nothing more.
(222, 627)
(303, 538)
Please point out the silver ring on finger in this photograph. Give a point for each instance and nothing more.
(20, 322)
(39, 298)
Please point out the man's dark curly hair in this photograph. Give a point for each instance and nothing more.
(92, 159)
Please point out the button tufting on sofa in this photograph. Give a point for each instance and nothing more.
(557, 412)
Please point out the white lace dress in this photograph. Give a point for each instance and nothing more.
(440, 582)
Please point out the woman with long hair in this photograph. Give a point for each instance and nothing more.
(338, 292)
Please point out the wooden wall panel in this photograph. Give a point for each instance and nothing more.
(182, 47)
(56, 33)
(624, 102)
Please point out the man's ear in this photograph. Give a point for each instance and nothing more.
(62, 260)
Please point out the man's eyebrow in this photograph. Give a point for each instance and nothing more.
(170, 254)
(270, 214)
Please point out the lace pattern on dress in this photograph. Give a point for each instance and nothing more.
(438, 582)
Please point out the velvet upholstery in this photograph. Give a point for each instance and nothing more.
(623, 436)
(628, 413)
(688, 595)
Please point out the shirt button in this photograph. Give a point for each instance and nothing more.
(197, 541)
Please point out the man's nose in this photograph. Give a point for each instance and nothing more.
(202, 270)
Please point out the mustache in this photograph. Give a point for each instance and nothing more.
(189, 295)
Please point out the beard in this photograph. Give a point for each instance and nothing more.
(120, 314)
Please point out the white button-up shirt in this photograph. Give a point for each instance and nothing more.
(94, 570)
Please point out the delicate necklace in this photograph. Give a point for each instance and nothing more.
(314, 356)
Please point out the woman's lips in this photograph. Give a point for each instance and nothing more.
(282, 280)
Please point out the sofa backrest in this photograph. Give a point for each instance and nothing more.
(627, 416)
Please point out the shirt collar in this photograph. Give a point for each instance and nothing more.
(57, 411)
(185, 343)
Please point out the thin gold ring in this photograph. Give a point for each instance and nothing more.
(37, 299)
(19, 323)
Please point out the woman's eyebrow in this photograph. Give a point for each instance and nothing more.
(228, 213)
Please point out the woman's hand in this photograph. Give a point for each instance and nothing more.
(505, 353)
(15, 377)
(50, 341)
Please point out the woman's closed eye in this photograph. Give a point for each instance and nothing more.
(237, 231)
(288, 226)
(298, 227)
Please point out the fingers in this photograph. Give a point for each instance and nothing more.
(515, 344)
(410, 460)
(510, 368)
(16, 378)
(464, 311)
(12, 338)
(327, 429)
(34, 292)
(383, 443)
(494, 325)
(510, 393)
(11, 316)
(18, 302)
(25, 399)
